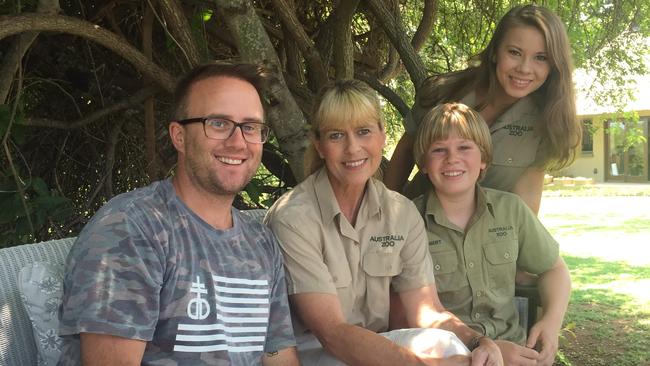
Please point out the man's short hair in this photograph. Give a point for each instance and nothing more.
(256, 75)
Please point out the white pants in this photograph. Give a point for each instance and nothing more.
(424, 341)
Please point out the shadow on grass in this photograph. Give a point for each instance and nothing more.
(595, 271)
(609, 322)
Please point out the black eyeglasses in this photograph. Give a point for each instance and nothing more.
(222, 128)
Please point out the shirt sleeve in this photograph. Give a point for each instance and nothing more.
(417, 267)
(538, 251)
(112, 281)
(306, 270)
(280, 330)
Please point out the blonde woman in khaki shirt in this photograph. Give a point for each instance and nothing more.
(346, 240)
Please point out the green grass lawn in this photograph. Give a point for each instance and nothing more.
(606, 249)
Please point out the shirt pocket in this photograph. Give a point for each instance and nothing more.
(501, 266)
(446, 271)
(382, 264)
(518, 152)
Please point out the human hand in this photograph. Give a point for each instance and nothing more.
(487, 354)
(516, 355)
(544, 337)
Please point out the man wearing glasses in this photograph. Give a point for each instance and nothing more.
(171, 273)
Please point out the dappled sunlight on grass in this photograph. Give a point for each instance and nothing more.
(606, 281)
(604, 243)
(616, 287)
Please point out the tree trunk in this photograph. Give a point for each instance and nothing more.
(283, 114)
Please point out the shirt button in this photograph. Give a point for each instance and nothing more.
(479, 294)
(506, 255)
(437, 267)
(509, 161)
(471, 264)
(477, 316)
(334, 278)
(389, 267)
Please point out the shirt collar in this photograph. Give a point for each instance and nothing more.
(328, 205)
(515, 113)
(433, 208)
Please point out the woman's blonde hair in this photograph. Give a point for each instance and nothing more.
(558, 126)
(341, 104)
(452, 118)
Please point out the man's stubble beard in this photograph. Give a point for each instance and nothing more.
(209, 180)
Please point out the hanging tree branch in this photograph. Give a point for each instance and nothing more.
(19, 47)
(135, 99)
(15, 24)
(426, 25)
(397, 35)
(386, 92)
(304, 43)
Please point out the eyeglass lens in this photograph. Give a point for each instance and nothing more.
(221, 129)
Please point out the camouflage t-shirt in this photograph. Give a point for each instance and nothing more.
(146, 267)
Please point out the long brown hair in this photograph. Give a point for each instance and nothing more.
(558, 126)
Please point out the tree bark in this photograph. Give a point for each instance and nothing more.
(283, 114)
(10, 25)
(343, 47)
(397, 35)
(426, 24)
(304, 43)
(181, 31)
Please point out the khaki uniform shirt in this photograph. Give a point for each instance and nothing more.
(475, 269)
(515, 146)
(325, 254)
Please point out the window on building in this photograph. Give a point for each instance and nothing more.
(587, 137)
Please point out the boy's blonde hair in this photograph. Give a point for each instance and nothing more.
(443, 120)
(341, 104)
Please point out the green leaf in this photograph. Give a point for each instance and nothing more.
(50, 203)
(206, 15)
(22, 227)
(11, 207)
(40, 187)
(62, 213)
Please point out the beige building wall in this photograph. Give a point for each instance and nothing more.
(587, 164)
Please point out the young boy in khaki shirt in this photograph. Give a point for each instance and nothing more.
(479, 237)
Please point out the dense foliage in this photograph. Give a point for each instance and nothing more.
(85, 85)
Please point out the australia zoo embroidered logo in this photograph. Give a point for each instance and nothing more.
(387, 242)
(516, 130)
